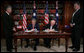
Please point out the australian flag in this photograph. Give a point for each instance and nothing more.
(56, 13)
(57, 16)
(34, 11)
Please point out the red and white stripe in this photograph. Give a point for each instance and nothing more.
(24, 22)
(46, 18)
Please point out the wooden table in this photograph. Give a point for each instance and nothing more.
(31, 35)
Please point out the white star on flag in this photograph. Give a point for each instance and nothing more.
(57, 14)
(34, 14)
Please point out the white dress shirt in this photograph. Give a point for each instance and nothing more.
(75, 12)
(73, 15)
(50, 27)
(7, 12)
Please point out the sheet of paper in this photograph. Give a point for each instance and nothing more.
(48, 31)
(45, 31)
(56, 31)
(28, 30)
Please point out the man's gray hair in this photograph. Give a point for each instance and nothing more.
(8, 6)
(77, 2)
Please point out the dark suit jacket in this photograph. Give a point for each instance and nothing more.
(30, 27)
(81, 26)
(77, 19)
(7, 23)
(48, 27)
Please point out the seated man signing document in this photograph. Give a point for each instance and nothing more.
(33, 27)
(50, 28)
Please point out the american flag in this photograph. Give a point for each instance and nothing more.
(34, 11)
(56, 13)
(46, 14)
(24, 17)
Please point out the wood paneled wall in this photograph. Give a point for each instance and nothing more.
(69, 9)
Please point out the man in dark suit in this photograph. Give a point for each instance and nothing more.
(34, 26)
(8, 25)
(51, 28)
(76, 23)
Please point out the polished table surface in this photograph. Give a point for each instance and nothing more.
(41, 34)
(21, 33)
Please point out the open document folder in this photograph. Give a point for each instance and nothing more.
(32, 30)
